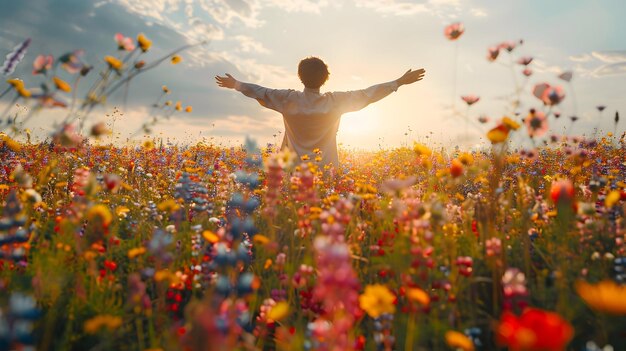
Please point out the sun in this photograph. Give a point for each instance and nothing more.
(362, 128)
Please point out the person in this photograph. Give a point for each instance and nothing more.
(311, 118)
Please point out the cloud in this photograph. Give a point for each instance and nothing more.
(543, 67)
(248, 44)
(440, 8)
(610, 56)
(610, 69)
(478, 12)
(581, 58)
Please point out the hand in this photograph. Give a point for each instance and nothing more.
(411, 77)
(226, 82)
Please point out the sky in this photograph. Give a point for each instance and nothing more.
(364, 42)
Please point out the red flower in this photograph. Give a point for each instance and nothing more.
(562, 191)
(454, 31)
(535, 329)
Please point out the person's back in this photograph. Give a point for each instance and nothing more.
(311, 118)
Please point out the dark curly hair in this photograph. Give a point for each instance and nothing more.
(313, 72)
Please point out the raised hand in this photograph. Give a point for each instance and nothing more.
(226, 82)
(411, 76)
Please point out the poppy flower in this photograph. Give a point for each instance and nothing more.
(124, 43)
(507, 45)
(549, 95)
(470, 99)
(562, 191)
(525, 61)
(536, 123)
(454, 31)
(566, 76)
(493, 53)
(42, 64)
(535, 329)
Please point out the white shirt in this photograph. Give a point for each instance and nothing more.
(312, 119)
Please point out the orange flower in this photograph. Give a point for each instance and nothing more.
(113, 62)
(176, 59)
(418, 295)
(605, 296)
(179, 106)
(457, 340)
(143, 42)
(188, 109)
(456, 168)
(61, 84)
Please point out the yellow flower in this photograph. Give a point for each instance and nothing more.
(143, 42)
(498, 134)
(16, 83)
(169, 205)
(509, 123)
(418, 295)
(457, 340)
(612, 198)
(377, 300)
(165, 89)
(606, 296)
(96, 323)
(113, 62)
(179, 106)
(148, 145)
(100, 212)
(10, 143)
(278, 311)
(176, 59)
(61, 84)
(210, 236)
(138, 251)
(421, 149)
(260, 239)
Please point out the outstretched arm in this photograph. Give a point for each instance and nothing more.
(274, 99)
(355, 100)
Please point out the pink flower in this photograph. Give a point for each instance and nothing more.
(493, 53)
(493, 247)
(514, 283)
(548, 94)
(507, 45)
(525, 61)
(42, 64)
(470, 99)
(124, 43)
(527, 72)
(536, 123)
(454, 31)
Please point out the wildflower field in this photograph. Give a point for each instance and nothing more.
(205, 247)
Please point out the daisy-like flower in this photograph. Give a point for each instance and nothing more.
(42, 64)
(549, 95)
(376, 300)
(61, 84)
(124, 43)
(536, 123)
(113, 62)
(454, 31)
(143, 42)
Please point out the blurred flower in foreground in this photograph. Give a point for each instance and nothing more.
(124, 43)
(15, 57)
(562, 191)
(606, 296)
(376, 300)
(493, 53)
(457, 340)
(549, 95)
(470, 99)
(535, 329)
(536, 123)
(143, 42)
(501, 132)
(42, 64)
(454, 31)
